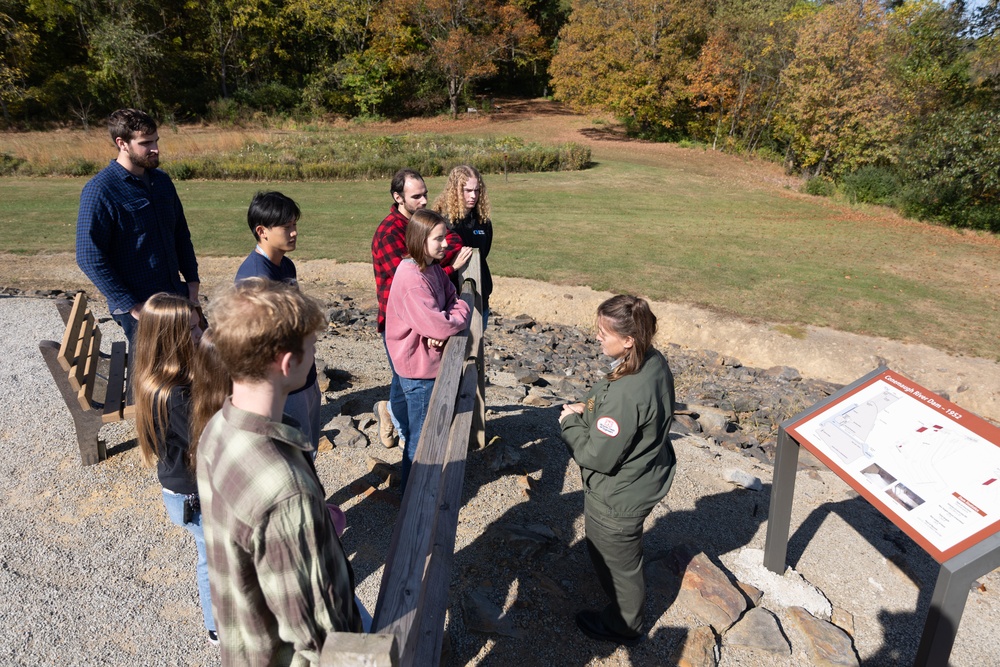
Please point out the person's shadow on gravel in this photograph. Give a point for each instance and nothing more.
(531, 552)
(901, 631)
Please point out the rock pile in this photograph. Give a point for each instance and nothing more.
(737, 407)
(541, 365)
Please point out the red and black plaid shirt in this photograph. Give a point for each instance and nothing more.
(388, 250)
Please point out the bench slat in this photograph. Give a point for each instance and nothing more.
(93, 355)
(78, 370)
(116, 384)
(67, 350)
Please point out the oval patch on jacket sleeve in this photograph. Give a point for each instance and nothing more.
(607, 426)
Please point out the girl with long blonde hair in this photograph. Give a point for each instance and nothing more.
(165, 339)
(465, 206)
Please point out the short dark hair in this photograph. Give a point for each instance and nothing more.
(399, 180)
(271, 209)
(126, 123)
(418, 230)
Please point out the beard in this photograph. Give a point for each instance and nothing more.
(147, 161)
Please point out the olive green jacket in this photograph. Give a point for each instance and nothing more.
(622, 440)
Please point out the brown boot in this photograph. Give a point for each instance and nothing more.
(386, 431)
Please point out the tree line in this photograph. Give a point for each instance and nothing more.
(896, 104)
(183, 59)
(888, 101)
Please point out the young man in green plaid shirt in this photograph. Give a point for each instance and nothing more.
(280, 579)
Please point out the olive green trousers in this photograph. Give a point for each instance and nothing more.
(615, 548)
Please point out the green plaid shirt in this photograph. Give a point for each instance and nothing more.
(279, 575)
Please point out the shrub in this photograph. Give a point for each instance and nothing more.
(180, 171)
(272, 97)
(950, 169)
(9, 164)
(871, 185)
(328, 155)
(819, 186)
(80, 167)
(226, 112)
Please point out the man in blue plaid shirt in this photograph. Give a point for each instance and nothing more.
(132, 239)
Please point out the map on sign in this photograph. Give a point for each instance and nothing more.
(931, 468)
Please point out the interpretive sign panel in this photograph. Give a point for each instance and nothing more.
(928, 465)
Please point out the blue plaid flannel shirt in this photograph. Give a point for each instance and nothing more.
(132, 239)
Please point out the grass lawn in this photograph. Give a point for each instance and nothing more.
(661, 228)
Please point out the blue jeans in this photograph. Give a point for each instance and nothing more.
(174, 503)
(397, 403)
(418, 398)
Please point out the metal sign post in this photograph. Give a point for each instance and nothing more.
(966, 558)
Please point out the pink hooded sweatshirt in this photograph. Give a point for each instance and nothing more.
(421, 305)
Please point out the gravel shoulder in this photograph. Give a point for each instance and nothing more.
(92, 572)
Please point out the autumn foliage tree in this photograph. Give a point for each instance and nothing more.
(459, 40)
(842, 108)
(630, 57)
(736, 81)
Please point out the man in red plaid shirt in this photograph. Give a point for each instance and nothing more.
(409, 194)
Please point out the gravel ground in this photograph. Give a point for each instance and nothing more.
(93, 573)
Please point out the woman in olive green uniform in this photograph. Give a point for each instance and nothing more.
(620, 439)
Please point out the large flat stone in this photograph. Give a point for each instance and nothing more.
(709, 582)
(826, 644)
(699, 649)
(759, 629)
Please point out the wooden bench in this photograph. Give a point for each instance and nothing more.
(92, 384)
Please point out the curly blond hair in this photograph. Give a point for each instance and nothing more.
(450, 202)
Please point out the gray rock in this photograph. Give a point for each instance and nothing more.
(759, 629)
(498, 394)
(526, 376)
(345, 434)
(743, 479)
(481, 615)
(786, 373)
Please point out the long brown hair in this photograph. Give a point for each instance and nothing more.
(163, 352)
(418, 230)
(210, 385)
(451, 202)
(625, 316)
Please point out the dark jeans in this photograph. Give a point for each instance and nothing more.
(128, 325)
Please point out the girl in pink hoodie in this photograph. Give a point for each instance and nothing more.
(422, 312)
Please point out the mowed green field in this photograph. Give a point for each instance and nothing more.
(662, 230)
